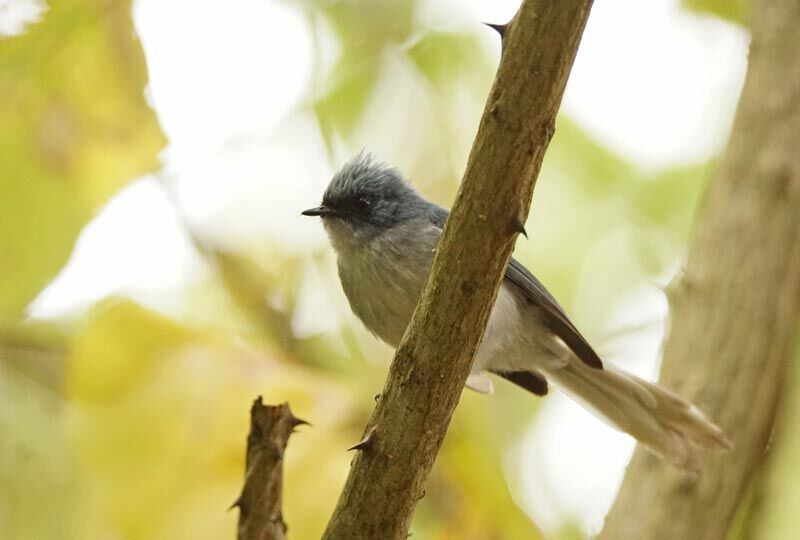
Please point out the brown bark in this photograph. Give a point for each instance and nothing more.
(772, 511)
(432, 363)
(260, 516)
(736, 309)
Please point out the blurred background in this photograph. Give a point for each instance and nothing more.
(156, 276)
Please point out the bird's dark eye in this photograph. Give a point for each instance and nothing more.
(363, 203)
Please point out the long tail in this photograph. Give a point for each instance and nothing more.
(664, 422)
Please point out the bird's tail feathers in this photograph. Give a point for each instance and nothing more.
(664, 422)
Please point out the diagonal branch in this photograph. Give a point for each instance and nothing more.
(432, 363)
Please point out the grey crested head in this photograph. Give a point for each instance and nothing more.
(366, 197)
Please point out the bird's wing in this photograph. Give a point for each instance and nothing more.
(536, 293)
(554, 317)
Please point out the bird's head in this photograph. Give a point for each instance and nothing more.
(364, 199)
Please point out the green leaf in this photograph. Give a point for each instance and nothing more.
(75, 129)
(731, 10)
(38, 477)
(339, 110)
(364, 29)
(441, 56)
(671, 197)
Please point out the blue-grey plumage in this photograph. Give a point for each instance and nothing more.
(385, 234)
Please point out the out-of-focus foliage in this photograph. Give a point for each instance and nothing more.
(731, 10)
(150, 443)
(468, 495)
(603, 196)
(75, 128)
(37, 468)
(126, 423)
(157, 426)
(771, 514)
(380, 24)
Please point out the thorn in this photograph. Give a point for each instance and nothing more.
(366, 442)
(499, 28)
(297, 421)
(236, 503)
(519, 227)
(377, 397)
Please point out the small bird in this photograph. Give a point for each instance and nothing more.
(385, 234)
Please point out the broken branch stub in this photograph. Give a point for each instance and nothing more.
(260, 514)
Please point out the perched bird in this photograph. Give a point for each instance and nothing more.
(385, 233)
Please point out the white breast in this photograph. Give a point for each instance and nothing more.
(383, 277)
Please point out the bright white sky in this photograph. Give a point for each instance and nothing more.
(654, 83)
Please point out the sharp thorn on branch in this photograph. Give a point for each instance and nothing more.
(377, 397)
(298, 421)
(366, 442)
(519, 227)
(499, 28)
(236, 503)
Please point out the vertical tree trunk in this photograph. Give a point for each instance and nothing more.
(735, 311)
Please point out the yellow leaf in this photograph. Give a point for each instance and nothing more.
(75, 128)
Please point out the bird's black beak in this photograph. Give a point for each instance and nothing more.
(318, 211)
